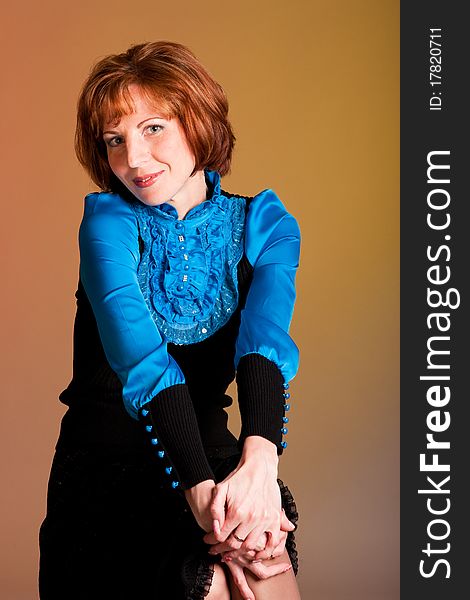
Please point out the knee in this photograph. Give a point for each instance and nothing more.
(219, 588)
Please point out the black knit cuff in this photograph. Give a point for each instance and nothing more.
(175, 433)
(261, 399)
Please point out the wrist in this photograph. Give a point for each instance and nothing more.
(199, 498)
(202, 487)
(259, 450)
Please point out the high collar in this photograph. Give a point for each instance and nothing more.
(201, 211)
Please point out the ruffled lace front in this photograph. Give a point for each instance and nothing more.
(188, 268)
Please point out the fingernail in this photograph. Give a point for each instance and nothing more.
(288, 569)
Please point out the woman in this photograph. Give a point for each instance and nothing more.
(181, 285)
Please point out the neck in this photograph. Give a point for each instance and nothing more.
(194, 192)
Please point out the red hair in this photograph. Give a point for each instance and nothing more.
(172, 78)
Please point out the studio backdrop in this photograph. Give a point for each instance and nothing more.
(313, 87)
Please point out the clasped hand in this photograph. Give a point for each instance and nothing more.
(242, 515)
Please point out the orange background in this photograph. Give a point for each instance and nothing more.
(314, 95)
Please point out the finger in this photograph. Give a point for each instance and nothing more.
(272, 543)
(218, 549)
(239, 555)
(263, 540)
(223, 534)
(210, 538)
(240, 581)
(286, 525)
(233, 519)
(279, 550)
(217, 509)
(239, 560)
(253, 538)
(268, 553)
(264, 572)
(226, 546)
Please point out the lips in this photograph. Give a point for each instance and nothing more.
(146, 180)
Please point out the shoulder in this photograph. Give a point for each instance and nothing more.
(105, 209)
(108, 217)
(268, 221)
(107, 205)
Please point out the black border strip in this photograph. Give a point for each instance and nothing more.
(434, 131)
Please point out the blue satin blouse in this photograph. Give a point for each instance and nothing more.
(184, 287)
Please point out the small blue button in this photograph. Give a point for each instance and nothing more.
(180, 287)
(145, 412)
(178, 225)
(148, 428)
(286, 395)
(154, 441)
(182, 247)
(284, 444)
(285, 419)
(175, 484)
(186, 267)
(286, 386)
(286, 407)
(284, 430)
(168, 470)
(161, 453)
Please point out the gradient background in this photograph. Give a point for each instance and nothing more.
(314, 96)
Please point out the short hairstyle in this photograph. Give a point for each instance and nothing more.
(169, 76)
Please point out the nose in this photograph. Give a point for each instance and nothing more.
(137, 152)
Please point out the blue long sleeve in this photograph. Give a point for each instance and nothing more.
(266, 357)
(109, 256)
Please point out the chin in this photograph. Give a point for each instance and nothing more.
(150, 199)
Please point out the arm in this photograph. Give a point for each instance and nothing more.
(151, 378)
(266, 359)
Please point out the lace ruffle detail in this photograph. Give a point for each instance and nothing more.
(290, 508)
(188, 268)
(197, 574)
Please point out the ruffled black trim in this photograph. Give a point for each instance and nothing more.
(197, 573)
(290, 508)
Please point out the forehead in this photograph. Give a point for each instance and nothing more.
(132, 99)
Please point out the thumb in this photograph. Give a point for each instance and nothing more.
(218, 508)
(286, 525)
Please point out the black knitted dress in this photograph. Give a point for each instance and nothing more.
(115, 528)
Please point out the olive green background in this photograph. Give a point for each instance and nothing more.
(314, 100)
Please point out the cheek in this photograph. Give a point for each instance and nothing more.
(115, 162)
(186, 155)
(181, 151)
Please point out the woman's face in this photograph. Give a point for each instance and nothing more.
(150, 155)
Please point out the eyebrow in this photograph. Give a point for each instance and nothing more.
(139, 124)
